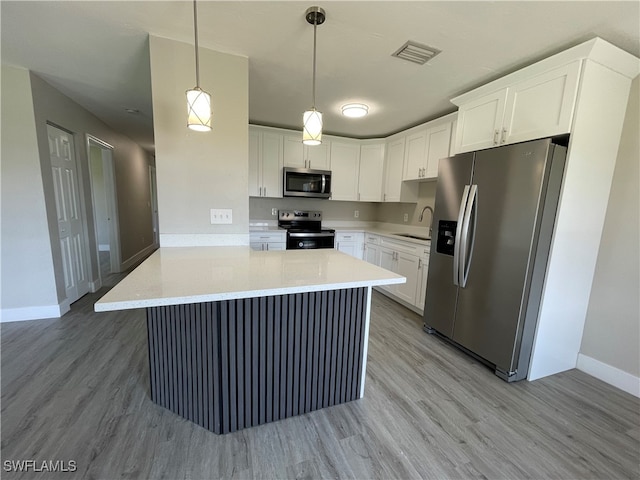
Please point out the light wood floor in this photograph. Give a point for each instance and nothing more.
(77, 389)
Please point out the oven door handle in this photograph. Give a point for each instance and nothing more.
(311, 234)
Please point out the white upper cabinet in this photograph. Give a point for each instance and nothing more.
(424, 148)
(345, 168)
(296, 154)
(393, 170)
(438, 146)
(480, 121)
(395, 190)
(265, 163)
(535, 107)
(541, 106)
(414, 155)
(371, 172)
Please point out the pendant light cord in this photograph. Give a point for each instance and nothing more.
(315, 27)
(195, 29)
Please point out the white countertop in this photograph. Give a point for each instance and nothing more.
(177, 275)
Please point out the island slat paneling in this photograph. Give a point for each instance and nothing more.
(234, 364)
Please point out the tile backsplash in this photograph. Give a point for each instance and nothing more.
(260, 208)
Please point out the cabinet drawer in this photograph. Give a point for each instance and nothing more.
(266, 237)
(401, 246)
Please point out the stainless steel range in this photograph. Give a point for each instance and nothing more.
(304, 230)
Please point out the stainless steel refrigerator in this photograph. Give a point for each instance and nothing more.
(494, 217)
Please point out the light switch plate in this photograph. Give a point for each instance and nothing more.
(221, 216)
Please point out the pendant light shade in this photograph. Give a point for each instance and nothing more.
(199, 112)
(312, 118)
(312, 127)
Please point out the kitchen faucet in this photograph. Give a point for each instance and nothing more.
(427, 207)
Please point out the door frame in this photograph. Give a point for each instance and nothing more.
(109, 171)
(155, 219)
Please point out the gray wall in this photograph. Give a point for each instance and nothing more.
(28, 277)
(394, 212)
(31, 260)
(612, 328)
(199, 171)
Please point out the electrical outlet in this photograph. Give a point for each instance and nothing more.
(356, 213)
(406, 217)
(274, 211)
(221, 216)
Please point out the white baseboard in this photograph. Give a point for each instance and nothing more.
(203, 239)
(104, 248)
(608, 374)
(137, 258)
(32, 313)
(95, 285)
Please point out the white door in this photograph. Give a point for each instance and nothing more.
(345, 162)
(371, 172)
(70, 223)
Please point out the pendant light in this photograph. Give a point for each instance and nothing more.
(312, 119)
(198, 101)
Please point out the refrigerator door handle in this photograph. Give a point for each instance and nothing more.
(456, 246)
(464, 261)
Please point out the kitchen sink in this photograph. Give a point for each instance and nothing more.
(409, 235)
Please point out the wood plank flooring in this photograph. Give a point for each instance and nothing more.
(77, 388)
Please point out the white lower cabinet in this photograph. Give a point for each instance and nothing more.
(371, 252)
(267, 241)
(411, 260)
(350, 243)
(423, 269)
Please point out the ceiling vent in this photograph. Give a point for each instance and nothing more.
(416, 52)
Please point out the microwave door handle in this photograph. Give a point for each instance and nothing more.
(324, 183)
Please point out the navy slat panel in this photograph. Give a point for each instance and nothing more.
(233, 364)
(260, 362)
(225, 377)
(301, 321)
(269, 386)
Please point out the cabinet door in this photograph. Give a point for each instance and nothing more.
(276, 246)
(254, 164)
(407, 266)
(317, 156)
(271, 165)
(480, 122)
(350, 248)
(371, 172)
(414, 155)
(541, 106)
(372, 254)
(423, 269)
(438, 143)
(393, 170)
(387, 261)
(345, 161)
(293, 153)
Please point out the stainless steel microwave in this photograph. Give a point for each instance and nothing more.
(304, 182)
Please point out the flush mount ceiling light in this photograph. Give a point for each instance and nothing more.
(355, 110)
(312, 119)
(198, 101)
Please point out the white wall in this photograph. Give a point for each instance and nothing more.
(610, 346)
(28, 279)
(200, 171)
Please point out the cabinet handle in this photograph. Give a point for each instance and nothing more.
(419, 263)
(265, 192)
(495, 137)
(504, 135)
(259, 191)
(384, 197)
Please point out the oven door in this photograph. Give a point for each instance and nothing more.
(310, 240)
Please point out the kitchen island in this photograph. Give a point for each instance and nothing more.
(238, 338)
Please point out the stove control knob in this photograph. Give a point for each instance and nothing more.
(301, 244)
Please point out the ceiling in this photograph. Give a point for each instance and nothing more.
(96, 52)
